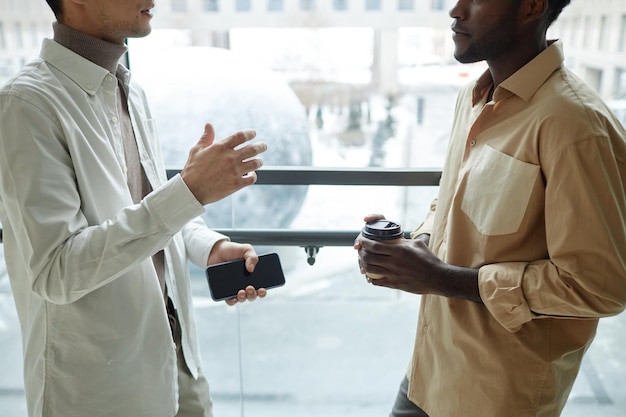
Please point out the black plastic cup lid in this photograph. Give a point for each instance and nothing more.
(382, 230)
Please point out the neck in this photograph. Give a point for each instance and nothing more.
(505, 66)
(102, 53)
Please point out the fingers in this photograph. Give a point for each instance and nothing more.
(375, 258)
(247, 294)
(240, 298)
(372, 247)
(357, 242)
(381, 282)
(234, 142)
(208, 136)
(373, 271)
(250, 150)
(251, 260)
(239, 138)
(246, 156)
(251, 165)
(372, 217)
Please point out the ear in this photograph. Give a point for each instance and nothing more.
(533, 10)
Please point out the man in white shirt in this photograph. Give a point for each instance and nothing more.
(96, 238)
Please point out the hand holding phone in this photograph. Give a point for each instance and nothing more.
(227, 278)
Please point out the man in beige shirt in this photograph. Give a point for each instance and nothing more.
(525, 248)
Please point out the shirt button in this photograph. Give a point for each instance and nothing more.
(114, 119)
(472, 143)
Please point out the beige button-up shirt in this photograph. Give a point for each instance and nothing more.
(533, 194)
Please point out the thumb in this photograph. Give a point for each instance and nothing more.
(373, 216)
(208, 136)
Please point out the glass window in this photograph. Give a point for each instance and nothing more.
(307, 5)
(340, 4)
(23, 24)
(3, 44)
(618, 103)
(211, 5)
(33, 34)
(285, 91)
(620, 84)
(19, 35)
(372, 4)
(586, 32)
(438, 4)
(313, 93)
(622, 34)
(179, 5)
(405, 5)
(6, 68)
(604, 28)
(242, 5)
(275, 5)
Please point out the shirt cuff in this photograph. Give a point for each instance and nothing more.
(174, 204)
(199, 241)
(500, 287)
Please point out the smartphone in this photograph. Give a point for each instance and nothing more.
(227, 278)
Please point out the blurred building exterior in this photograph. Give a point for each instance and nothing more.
(594, 32)
(23, 24)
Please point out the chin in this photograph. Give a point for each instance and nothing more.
(141, 33)
(465, 57)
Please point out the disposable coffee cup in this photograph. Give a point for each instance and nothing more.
(382, 230)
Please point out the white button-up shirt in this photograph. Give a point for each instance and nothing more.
(95, 331)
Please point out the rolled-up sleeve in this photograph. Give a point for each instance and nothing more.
(585, 275)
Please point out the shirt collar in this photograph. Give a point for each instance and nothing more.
(83, 72)
(87, 74)
(525, 82)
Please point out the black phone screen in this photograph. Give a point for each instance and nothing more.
(227, 278)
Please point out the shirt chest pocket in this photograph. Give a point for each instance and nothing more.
(498, 190)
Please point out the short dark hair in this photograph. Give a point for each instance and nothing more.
(55, 5)
(555, 7)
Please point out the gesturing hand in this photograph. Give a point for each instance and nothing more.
(215, 170)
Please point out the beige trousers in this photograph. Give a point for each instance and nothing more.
(194, 398)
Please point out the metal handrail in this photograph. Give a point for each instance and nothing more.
(293, 237)
(289, 175)
(313, 240)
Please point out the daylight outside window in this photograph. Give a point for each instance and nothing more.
(368, 85)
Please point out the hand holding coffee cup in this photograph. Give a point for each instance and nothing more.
(382, 230)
